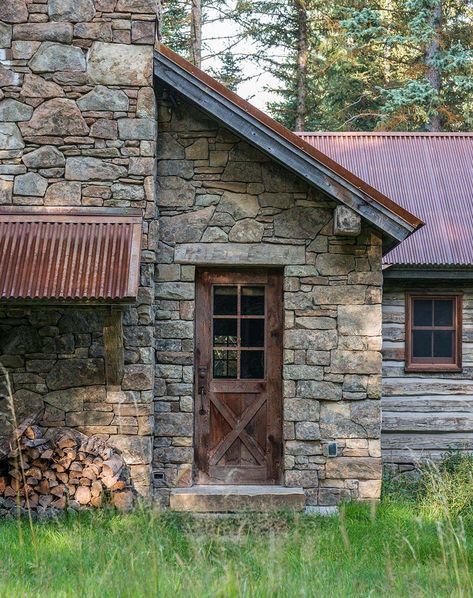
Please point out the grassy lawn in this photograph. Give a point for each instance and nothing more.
(388, 551)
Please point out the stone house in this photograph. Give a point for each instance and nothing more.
(179, 273)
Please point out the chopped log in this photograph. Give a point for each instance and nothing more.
(61, 470)
(83, 495)
(113, 466)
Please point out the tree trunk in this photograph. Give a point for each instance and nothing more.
(434, 75)
(302, 57)
(196, 33)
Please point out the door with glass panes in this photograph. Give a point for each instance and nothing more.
(238, 377)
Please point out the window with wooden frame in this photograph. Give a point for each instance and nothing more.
(433, 332)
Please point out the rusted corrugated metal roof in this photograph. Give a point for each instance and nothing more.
(429, 174)
(81, 254)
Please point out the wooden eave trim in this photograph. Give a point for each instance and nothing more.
(283, 146)
(428, 274)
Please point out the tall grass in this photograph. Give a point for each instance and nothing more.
(418, 542)
(390, 551)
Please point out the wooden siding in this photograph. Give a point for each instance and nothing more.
(424, 414)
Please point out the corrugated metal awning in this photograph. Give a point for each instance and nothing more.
(81, 254)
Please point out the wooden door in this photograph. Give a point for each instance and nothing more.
(238, 377)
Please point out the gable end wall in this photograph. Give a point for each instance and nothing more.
(216, 194)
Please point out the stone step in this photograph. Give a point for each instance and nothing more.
(234, 499)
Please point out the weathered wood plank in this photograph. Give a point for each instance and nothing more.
(416, 457)
(113, 344)
(433, 441)
(428, 404)
(427, 422)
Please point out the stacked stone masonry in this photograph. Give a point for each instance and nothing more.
(216, 194)
(78, 128)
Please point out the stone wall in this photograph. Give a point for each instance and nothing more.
(78, 128)
(424, 414)
(55, 364)
(219, 196)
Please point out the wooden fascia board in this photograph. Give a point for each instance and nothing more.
(279, 149)
(428, 274)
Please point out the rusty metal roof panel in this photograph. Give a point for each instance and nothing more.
(429, 174)
(69, 255)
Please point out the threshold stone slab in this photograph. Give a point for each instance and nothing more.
(234, 499)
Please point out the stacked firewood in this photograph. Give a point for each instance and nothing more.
(64, 470)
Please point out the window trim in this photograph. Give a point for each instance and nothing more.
(434, 366)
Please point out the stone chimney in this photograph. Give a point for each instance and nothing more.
(77, 115)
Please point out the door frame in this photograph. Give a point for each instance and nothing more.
(273, 383)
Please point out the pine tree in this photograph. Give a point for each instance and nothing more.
(429, 64)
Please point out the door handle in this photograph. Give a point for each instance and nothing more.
(202, 397)
(202, 384)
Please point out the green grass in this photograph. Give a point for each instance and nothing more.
(393, 550)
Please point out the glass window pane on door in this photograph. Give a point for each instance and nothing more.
(252, 301)
(226, 332)
(225, 364)
(238, 325)
(252, 364)
(252, 333)
(225, 301)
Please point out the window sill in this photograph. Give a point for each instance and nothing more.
(438, 368)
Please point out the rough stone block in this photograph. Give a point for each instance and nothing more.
(13, 11)
(5, 35)
(110, 64)
(301, 410)
(35, 86)
(346, 222)
(51, 32)
(13, 111)
(356, 362)
(136, 450)
(58, 116)
(305, 478)
(68, 373)
(363, 320)
(357, 468)
(10, 137)
(63, 194)
(31, 184)
(138, 377)
(320, 390)
(174, 424)
(89, 169)
(51, 57)
(47, 156)
(71, 10)
(137, 128)
(103, 98)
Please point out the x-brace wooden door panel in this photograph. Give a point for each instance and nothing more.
(238, 383)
